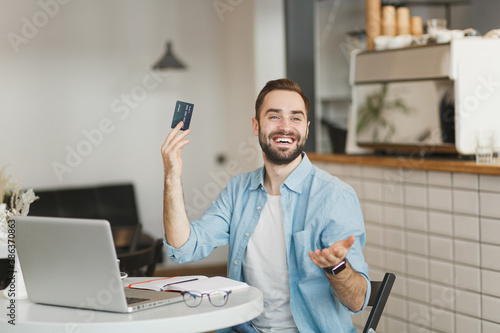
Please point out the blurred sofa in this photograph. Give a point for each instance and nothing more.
(114, 202)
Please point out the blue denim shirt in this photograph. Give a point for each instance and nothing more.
(318, 210)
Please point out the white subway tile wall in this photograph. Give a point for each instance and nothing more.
(394, 216)
(468, 303)
(442, 320)
(441, 247)
(468, 278)
(490, 229)
(442, 272)
(372, 190)
(439, 178)
(440, 223)
(489, 183)
(491, 306)
(465, 180)
(490, 256)
(490, 203)
(415, 196)
(416, 177)
(440, 198)
(439, 232)
(466, 324)
(393, 193)
(442, 297)
(467, 227)
(490, 283)
(489, 327)
(466, 202)
(416, 219)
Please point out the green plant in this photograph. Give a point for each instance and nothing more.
(375, 113)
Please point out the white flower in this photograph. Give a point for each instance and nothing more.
(4, 216)
(20, 201)
(20, 204)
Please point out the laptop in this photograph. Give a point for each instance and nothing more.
(72, 262)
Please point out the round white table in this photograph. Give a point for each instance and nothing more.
(242, 306)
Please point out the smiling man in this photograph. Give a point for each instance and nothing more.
(285, 127)
(294, 231)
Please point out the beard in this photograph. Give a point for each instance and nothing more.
(280, 156)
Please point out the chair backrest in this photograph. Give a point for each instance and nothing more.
(115, 203)
(133, 263)
(126, 238)
(378, 298)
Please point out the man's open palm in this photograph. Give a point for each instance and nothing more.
(332, 255)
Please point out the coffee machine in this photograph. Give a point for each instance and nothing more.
(441, 98)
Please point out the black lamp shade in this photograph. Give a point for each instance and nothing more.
(169, 61)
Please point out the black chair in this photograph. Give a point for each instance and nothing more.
(378, 298)
(126, 238)
(5, 272)
(142, 262)
(115, 203)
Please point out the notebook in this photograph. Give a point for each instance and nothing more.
(200, 283)
(72, 262)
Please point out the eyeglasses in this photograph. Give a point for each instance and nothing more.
(216, 297)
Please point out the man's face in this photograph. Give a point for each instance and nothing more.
(282, 126)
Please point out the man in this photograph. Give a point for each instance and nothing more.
(288, 224)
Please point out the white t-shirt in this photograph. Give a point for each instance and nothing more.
(265, 267)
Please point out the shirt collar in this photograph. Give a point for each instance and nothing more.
(294, 181)
(257, 180)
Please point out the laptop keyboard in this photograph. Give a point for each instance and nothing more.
(132, 300)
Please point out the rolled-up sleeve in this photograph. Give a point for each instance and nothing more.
(207, 233)
(346, 219)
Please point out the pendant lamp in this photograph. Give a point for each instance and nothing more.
(169, 61)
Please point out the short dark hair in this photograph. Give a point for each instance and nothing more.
(280, 84)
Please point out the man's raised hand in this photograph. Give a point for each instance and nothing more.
(171, 152)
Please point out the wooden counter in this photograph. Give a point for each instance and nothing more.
(407, 162)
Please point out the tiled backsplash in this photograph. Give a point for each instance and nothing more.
(439, 232)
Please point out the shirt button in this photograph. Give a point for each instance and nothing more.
(247, 234)
(259, 208)
(236, 262)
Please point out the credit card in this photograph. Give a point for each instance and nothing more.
(183, 112)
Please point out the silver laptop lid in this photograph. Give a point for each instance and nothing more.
(69, 262)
